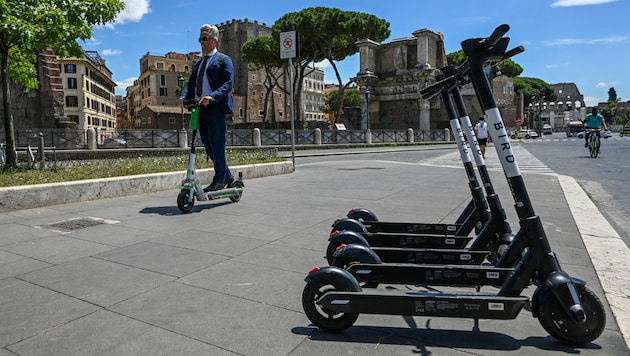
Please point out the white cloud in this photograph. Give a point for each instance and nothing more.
(133, 12)
(606, 85)
(550, 66)
(121, 85)
(570, 3)
(93, 42)
(111, 52)
(586, 41)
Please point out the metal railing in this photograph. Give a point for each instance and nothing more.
(65, 139)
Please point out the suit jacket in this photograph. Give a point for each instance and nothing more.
(220, 74)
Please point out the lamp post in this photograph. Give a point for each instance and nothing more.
(367, 108)
(540, 102)
(180, 83)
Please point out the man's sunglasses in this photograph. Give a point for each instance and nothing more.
(204, 38)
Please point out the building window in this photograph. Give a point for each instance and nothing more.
(163, 91)
(171, 121)
(72, 83)
(159, 65)
(70, 68)
(72, 101)
(261, 113)
(240, 112)
(162, 80)
(280, 113)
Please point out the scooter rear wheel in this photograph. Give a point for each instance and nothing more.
(325, 319)
(184, 203)
(560, 326)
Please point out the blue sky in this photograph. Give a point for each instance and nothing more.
(582, 41)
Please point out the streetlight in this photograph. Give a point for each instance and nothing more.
(367, 111)
(540, 102)
(180, 83)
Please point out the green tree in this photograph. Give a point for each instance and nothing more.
(328, 34)
(28, 26)
(506, 67)
(533, 90)
(350, 99)
(262, 53)
(612, 95)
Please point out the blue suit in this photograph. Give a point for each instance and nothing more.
(212, 125)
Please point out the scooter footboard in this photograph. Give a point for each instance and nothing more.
(460, 305)
(435, 275)
(435, 256)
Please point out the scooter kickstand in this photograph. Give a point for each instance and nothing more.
(476, 325)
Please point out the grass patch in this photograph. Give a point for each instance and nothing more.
(95, 168)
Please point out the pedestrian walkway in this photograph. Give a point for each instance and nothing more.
(133, 276)
(527, 162)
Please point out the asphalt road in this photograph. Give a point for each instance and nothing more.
(605, 178)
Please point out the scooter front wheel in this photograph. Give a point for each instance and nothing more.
(184, 203)
(322, 317)
(237, 197)
(558, 324)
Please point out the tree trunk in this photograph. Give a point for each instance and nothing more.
(8, 117)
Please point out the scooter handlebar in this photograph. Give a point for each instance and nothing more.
(495, 36)
(513, 52)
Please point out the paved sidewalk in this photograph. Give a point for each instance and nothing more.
(133, 276)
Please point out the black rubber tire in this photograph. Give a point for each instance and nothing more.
(323, 318)
(560, 326)
(237, 185)
(183, 202)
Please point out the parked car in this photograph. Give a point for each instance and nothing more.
(546, 129)
(527, 134)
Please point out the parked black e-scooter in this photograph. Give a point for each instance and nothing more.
(494, 237)
(191, 188)
(365, 264)
(333, 299)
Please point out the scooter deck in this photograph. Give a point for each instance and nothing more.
(431, 256)
(435, 275)
(416, 241)
(422, 303)
(411, 228)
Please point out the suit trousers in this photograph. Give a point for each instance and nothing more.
(213, 131)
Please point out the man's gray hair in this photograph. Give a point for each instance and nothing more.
(212, 30)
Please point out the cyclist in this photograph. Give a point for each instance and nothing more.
(593, 121)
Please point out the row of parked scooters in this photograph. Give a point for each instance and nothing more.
(364, 252)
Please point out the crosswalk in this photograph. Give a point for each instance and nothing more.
(527, 162)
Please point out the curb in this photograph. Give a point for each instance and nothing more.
(40, 195)
(609, 254)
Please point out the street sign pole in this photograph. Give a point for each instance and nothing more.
(289, 50)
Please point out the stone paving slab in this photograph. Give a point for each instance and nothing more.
(227, 278)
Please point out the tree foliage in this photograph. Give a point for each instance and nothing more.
(329, 34)
(28, 26)
(533, 90)
(506, 67)
(350, 99)
(262, 53)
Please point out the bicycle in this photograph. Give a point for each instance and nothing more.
(593, 142)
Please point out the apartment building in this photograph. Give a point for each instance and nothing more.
(89, 92)
(158, 83)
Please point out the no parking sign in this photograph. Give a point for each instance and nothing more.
(288, 44)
